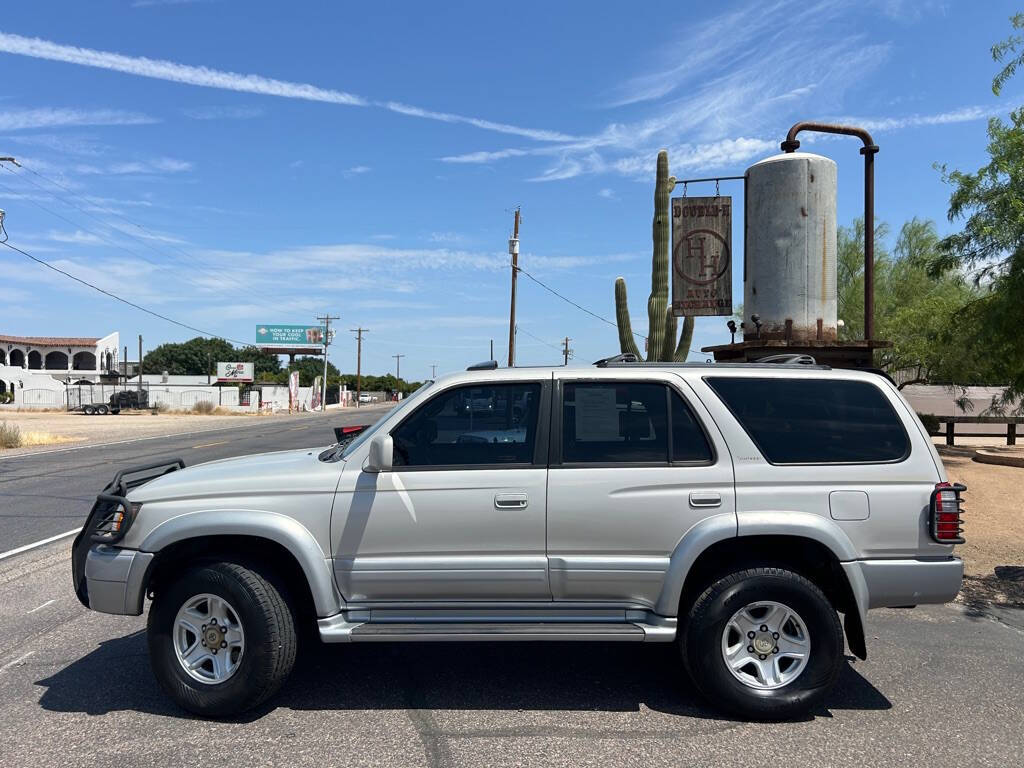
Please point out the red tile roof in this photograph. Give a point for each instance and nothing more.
(50, 341)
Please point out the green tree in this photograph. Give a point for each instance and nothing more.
(195, 357)
(989, 250)
(919, 312)
(199, 356)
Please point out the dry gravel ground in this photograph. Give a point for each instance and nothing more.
(74, 429)
(993, 526)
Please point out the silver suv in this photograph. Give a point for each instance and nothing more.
(736, 510)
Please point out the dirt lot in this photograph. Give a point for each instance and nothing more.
(79, 429)
(993, 526)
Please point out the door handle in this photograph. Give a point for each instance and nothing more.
(511, 501)
(705, 499)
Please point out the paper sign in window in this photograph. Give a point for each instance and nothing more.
(597, 415)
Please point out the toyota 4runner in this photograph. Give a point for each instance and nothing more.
(736, 510)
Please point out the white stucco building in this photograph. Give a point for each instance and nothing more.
(30, 361)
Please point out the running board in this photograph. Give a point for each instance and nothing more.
(336, 629)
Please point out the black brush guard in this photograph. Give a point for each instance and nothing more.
(98, 525)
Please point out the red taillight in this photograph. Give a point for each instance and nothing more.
(945, 513)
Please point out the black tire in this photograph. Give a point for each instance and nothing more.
(701, 644)
(270, 641)
(89, 410)
(101, 410)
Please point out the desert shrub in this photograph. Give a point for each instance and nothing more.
(10, 435)
(159, 407)
(204, 407)
(930, 422)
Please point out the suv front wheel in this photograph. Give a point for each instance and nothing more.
(764, 643)
(221, 639)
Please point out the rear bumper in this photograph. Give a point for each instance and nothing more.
(114, 579)
(891, 583)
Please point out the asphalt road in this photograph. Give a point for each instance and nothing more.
(49, 493)
(941, 687)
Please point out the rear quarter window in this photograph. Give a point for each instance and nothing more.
(815, 421)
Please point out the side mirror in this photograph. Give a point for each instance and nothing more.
(379, 458)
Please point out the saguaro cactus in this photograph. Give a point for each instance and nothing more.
(661, 334)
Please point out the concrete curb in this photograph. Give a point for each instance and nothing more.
(983, 456)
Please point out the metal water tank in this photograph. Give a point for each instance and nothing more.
(789, 276)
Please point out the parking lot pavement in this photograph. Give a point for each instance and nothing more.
(941, 687)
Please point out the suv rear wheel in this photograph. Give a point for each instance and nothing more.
(221, 639)
(764, 643)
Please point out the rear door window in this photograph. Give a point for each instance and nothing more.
(815, 421)
(629, 422)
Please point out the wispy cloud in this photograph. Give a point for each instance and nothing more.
(78, 237)
(205, 77)
(961, 115)
(607, 193)
(83, 146)
(135, 167)
(356, 170)
(224, 113)
(15, 119)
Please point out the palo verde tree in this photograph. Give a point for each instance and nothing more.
(661, 323)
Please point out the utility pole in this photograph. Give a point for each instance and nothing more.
(433, 371)
(126, 366)
(326, 319)
(492, 350)
(140, 367)
(209, 363)
(359, 360)
(513, 249)
(398, 366)
(565, 350)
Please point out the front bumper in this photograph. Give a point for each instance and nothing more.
(114, 579)
(896, 583)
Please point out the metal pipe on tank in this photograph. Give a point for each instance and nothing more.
(869, 150)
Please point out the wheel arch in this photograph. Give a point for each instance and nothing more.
(708, 551)
(267, 538)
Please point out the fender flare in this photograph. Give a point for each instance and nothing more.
(771, 523)
(708, 531)
(286, 531)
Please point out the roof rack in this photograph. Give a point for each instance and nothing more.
(625, 357)
(793, 359)
(486, 365)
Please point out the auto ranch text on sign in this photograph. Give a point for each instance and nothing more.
(702, 255)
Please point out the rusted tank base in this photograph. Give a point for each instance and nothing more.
(838, 354)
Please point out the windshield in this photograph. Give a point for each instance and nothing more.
(344, 450)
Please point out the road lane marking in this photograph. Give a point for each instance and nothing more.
(48, 602)
(207, 445)
(18, 660)
(33, 545)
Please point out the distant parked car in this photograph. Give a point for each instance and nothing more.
(364, 397)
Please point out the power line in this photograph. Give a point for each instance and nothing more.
(520, 329)
(551, 290)
(86, 283)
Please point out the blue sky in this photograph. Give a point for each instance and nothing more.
(228, 163)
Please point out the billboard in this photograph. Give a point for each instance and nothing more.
(228, 372)
(278, 335)
(701, 256)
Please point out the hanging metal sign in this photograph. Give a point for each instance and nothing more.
(701, 256)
